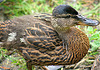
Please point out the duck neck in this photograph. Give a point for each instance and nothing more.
(59, 29)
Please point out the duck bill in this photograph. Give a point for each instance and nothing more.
(87, 22)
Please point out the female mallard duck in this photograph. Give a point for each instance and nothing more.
(44, 43)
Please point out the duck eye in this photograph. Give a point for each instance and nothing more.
(68, 16)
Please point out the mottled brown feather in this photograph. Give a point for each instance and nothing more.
(43, 44)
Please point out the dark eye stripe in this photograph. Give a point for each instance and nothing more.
(66, 16)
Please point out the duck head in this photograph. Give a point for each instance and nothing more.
(64, 16)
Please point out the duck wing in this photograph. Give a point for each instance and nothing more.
(42, 37)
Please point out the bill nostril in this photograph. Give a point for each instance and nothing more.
(84, 19)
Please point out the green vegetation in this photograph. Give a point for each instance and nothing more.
(25, 7)
(94, 37)
(2, 52)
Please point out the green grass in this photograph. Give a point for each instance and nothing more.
(26, 7)
(94, 37)
(2, 52)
